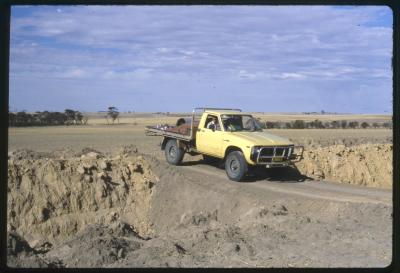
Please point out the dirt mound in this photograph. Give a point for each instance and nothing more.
(365, 164)
(313, 142)
(50, 199)
(272, 235)
(97, 245)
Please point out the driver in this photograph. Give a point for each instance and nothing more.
(213, 123)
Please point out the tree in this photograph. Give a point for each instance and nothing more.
(112, 113)
(22, 118)
(45, 118)
(279, 125)
(70, 116)
(11, 119)
(38, 118)
(78, 117)
(298, 124)
(317, 124)
(335, 124)
(269, 124)
(85, 119)
(387, 125)
(353, 124)
(343, 124)
(364, 125)
(58, 118)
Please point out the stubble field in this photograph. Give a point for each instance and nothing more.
(130, 130)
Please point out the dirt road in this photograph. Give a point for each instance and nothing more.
(282, 181)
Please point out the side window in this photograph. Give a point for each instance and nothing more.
(212, 123)
(208, 120)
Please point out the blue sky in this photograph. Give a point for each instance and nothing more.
(175, 58)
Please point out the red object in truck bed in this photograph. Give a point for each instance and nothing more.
(183, 129)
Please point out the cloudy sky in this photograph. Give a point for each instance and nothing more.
(174, 58)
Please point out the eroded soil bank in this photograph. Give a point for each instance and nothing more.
(365, 164)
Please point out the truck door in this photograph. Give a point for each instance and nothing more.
(209, 140)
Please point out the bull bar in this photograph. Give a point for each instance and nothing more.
(279, 156)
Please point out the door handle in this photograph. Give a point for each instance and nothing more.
(227, 140)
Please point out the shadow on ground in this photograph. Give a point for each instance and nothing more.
(282, 175)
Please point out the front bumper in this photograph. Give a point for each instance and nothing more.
(276, 156)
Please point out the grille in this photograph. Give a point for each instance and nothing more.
(279, 151)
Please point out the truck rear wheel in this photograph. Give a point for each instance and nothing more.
(173, 153)
(235, 166)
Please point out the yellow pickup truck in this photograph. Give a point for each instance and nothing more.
(227, 134)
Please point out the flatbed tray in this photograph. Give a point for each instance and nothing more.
(154, 131)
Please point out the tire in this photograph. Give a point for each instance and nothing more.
(173, 154)
(235, 166)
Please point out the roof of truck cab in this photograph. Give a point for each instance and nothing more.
(225, 112)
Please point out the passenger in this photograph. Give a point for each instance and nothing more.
(232, 124)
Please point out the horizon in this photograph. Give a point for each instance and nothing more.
(190, 112)
(151, 59)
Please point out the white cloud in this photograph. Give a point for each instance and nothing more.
(141, 44)
(74, 73)
(246, 75)
(291, 76)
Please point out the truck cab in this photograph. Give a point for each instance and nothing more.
(241, 131)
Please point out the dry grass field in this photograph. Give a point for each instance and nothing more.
(130, 130)
(140, 118)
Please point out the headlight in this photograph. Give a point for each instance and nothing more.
(255, 149)
(291, 153)
(254, 152)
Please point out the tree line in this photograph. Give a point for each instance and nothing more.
(317, 124)
(46, 118)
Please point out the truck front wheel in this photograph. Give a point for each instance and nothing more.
(235, 166)
(173, 153)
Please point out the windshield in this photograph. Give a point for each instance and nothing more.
(236, 123)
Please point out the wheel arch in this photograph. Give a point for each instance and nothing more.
(181, 144)
(164, 142)
(231, 149)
